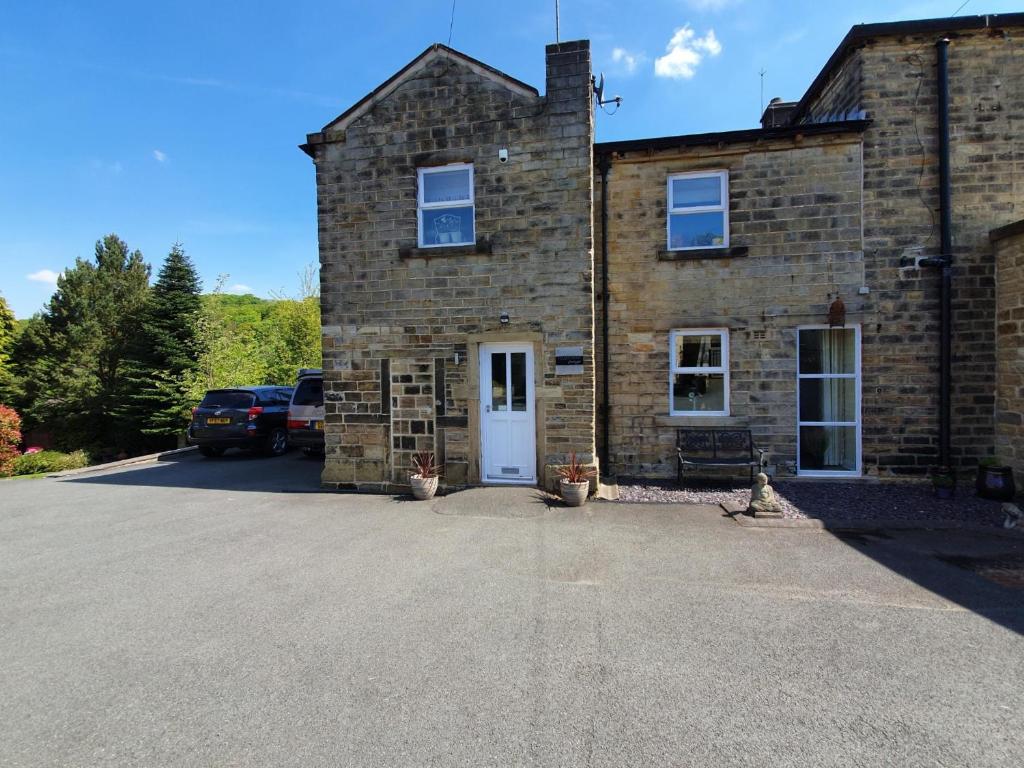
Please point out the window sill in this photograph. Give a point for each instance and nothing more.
(701, 421)
(483, 245)
(699, 254)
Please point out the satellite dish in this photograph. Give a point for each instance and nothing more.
(599, 88)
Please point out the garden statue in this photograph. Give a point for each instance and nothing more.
(762, 498)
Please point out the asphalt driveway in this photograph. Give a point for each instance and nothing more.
(214, 613)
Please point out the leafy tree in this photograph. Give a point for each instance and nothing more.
(292, 327)
(165, 353)
(8, 332)
(91, 321)
(228, 341)
(27, 365)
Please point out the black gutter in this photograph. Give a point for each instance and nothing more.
(946, 254)
(731, 137)
(860, 34)
(604, 163)
(944, 260)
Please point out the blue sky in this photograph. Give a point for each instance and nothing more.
(179, 121)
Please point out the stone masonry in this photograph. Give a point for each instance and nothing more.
(841, 202)
(1009, 251)
(893, 79)
(402, 325)
(795, 224)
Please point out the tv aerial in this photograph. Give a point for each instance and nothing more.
(598, 84)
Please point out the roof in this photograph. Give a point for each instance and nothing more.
(729, 137)
(385, 89)
(860, 34)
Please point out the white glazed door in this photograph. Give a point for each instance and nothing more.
(507, 424)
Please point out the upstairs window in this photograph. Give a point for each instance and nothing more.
(445, 206)
(699, 375)
(698, 210)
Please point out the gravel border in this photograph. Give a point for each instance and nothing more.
(832, 502)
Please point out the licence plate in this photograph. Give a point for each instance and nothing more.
(218, 420)
(318, 425)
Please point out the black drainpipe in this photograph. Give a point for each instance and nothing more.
(603, 165)
(946, 253)
(944, 260)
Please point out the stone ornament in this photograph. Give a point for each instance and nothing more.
(763, 502)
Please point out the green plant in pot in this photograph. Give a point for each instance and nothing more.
(425, 475)
(574, 483)
(944, 484)
(994, 480)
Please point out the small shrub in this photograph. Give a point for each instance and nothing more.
(49, 461)
(575, 471)
(10, 439)
(424, 466)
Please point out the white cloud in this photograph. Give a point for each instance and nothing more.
(44, 276)
(684, 53)
(628, 61)
(238, 288)
(159, 156)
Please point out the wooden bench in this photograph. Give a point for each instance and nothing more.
(697, 447)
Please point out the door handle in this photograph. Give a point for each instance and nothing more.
(487, 408)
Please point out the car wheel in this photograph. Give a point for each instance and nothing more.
(211, 453)
(277, 443)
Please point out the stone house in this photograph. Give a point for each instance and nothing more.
(500, 290)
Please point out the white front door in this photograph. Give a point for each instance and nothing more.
(507, 423)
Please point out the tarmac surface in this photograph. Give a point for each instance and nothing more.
(223, 612)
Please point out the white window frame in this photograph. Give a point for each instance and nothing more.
(722, 208)
(723, 369)
(421, 205)
(856, 376)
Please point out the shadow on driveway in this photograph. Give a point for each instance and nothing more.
(957, 565)
(235, 471)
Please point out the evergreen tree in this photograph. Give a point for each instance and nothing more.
(91, 321)
(165, 355)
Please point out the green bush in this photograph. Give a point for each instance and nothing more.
(49, 461)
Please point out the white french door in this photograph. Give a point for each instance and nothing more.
(828, 401)
(508, 446)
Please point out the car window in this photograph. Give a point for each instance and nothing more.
(309, 392)
(271, 397)
(227, 398)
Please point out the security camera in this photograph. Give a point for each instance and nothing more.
(502, 155)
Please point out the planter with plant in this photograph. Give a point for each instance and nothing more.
(944, 484)
(574, 484)
(995, 480)
(424, 476)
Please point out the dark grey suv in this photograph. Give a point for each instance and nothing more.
(241, 417)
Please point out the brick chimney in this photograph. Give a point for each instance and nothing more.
(777, 113)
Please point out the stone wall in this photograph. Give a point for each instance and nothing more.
(901, 225)
(1009, 256)
(401, 324)
(795, 244)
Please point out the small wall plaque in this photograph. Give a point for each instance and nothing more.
(568, 360)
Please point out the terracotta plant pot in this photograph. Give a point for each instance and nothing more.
(574, 494)
(423, 488)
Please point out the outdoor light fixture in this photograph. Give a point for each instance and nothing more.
(504, 318)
